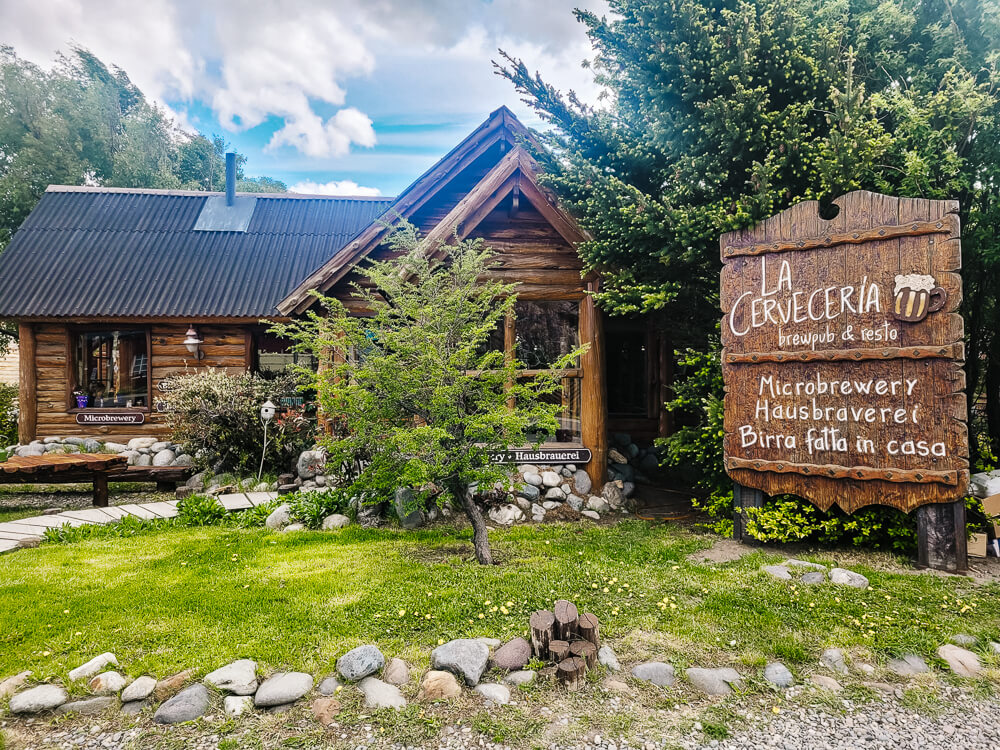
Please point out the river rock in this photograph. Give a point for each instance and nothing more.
(598, 504)
(505, 515)
(335, 521)
(164, 458)
(360, 662)
(189, 704)
(778, 571)
(140, 689)
(530, 492)
(329, 686)
(551, 479)
(814, 577)
(656, 672)
(494, 693)
(279, 517)
(593, 515)
(778, 675)
(962, 662)
(521, 677)
(137, 444)
(825, 682)
(908, 665)
(170, 685)
(106, 683)
(466, 657)
(554, 494)
(963, 639)
(843, 577)
(533, 478)
(93, 666)
(10, 686)
(581, 482)
(87, 706)
(282, 688)
(238, 678)
(607, 657)
(438, 685)
(613, 494)
(237, 705)
(719, 681)
(396, 672)
(513, 655)
(133, 708)
(310, 464)
(380, 694)
(325, 710)
(38, 699)
(833, 659)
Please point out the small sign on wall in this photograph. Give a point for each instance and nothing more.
(542, 456)
(95, 418)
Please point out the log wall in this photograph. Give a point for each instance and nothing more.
(228, 347)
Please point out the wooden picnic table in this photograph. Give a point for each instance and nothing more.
(65, 468)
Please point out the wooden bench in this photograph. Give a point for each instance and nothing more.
(95, 468)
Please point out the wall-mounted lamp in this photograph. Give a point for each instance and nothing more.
(193, 343)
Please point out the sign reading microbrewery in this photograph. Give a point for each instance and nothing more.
(542, 456)
(110, 417)
(842, 354)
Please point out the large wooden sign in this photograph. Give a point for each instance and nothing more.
(842, 354)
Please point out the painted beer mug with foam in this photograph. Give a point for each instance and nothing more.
(915, 295)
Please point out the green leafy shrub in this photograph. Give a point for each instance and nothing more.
(216, 416)
(253, 517)
(8, 415)
(200, 510)
(310, 508)
(127, 526)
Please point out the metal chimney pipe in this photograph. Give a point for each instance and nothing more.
(230, 178)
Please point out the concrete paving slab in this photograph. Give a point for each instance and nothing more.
(87, 515)
(115, 511)
(10, 536)
(235, 502)
(261, 498)
(7, 546)
(12, 528)
(139, 511)
(44, 522)
(163, 510)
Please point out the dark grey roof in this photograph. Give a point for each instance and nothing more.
(102, 252)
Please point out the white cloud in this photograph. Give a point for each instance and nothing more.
(335, 187)
(318, 68)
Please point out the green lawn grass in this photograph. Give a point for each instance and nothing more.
(182, 597)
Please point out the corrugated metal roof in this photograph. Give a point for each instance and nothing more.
(102, 252)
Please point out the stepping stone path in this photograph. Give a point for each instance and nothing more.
(962, 662)
(465, 657)
(656, 672)
(27, 532)
(380, 694)
(778, 675)
(189, 704)
(438, 685)
(499, 694)
(908, 665)
(38, 699)
(282, 688)
(513, 655)
(360, 662)
(714, 681)
(815, 574)
(238, 678)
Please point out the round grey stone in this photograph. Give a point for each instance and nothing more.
(494, 693)
(87, 706)
(607, 657)
(37, 699)
(848, 578)
(238, 678)
(465, 657)
(279, 517)
(778, 675)
(282, 688)
(380, 694)
(360, 662)
(187, 705)
(656, 672)
(814, 576)
(521, 677)
(833, 658)
(140, 689)
(714, 681)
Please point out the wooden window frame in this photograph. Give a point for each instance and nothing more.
(72, 332)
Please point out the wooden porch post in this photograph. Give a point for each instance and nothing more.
(743, 498)
(593, 409)
(941, 541)
(27, 397)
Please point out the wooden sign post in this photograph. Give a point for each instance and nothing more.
(842, 359)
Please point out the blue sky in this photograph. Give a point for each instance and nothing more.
(336, 96)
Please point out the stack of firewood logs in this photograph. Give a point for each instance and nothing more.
(567, 639)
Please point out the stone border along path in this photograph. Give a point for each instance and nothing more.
(27, 532)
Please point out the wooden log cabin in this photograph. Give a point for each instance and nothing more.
(114, 289)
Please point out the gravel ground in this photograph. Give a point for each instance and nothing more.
(961, 723)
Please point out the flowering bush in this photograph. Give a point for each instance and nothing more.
(216, 416)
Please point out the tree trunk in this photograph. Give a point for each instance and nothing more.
(480, 534)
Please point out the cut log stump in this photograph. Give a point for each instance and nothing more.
(572, 673)
(542, 624)
(586, 651)
(567, 620)
(590, 628)
(558, 650)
